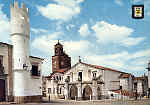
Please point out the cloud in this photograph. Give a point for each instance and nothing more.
(119, 2)
(84, 30)
(136, 1)
(61, 10)
(4, 26)
(132, 41)
(70, 26)
(45, 44)
(38, 30)
(77, 48)
(124, 61)
(111, 33)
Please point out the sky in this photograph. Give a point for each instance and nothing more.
(102, 32)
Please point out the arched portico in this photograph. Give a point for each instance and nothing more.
(87, 92)
(73, 92)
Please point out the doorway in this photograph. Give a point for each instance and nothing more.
(2, 90)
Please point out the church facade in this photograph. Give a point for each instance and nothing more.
(87, 81)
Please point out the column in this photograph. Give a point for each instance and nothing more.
(94, 90)
(79, 91)
(66, 91)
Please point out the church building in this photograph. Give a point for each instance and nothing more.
(85, 81)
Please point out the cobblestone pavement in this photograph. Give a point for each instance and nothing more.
(106, 102)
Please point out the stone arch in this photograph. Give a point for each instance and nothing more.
(73, 92)
(87, 92)
(99, 94)
(61, 92)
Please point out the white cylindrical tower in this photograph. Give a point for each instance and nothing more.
(20, 35)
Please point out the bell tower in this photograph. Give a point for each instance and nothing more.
(60, 61)
(58, 49)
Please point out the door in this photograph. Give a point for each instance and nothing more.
(2, 90)
(87, 93)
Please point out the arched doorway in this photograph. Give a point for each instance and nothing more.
(73, 92)
(2, 90)
(99, 93)
(87, 92)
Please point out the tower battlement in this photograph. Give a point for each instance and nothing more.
(19, 19)
(16, 6)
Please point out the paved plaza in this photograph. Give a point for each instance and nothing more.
(101, 102)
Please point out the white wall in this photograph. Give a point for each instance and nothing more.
(26, 85)
(109, 77)
(124, 83)
(87, 72)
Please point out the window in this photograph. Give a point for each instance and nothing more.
(89, 73)
(35, 71)
(54, 91)
(60, 78)
(49, 90)
(94, 75)
(135, 86)
(57, 90)
(1, 64)
(1, 60)
(68, 77)
(80, 76)
(57, 78)
(60, 90)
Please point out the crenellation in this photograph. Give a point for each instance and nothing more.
(16, 5)
(23, 10)
(23, 6)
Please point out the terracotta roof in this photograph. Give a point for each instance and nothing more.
(126, 75)
(62, 71)
(101, 67)
(37, 57)
(124, 92)
(141, 78)
(6, 44)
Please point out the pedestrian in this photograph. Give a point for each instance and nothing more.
(49, 98)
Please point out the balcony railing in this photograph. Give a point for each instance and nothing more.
(35, 73)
